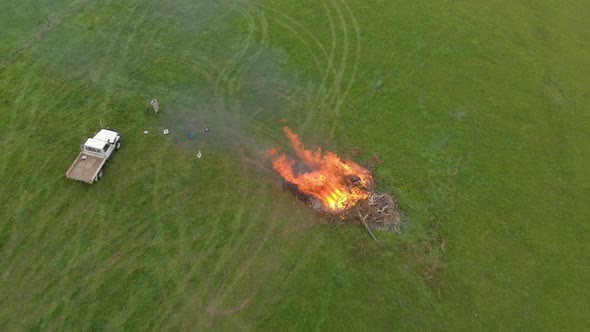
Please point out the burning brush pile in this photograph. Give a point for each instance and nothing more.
(339, 189)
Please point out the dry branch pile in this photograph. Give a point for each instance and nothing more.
(379, 211)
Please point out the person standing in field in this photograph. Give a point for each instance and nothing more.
(155, 105)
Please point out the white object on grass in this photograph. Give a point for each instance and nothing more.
(199, 155)
(145, 132)
(166, 131)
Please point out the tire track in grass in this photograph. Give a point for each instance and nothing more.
(122, 56)
(20, 240)
(330, 96)
(184, 281)
(42, 32)
(229, 80)
(227, 288)
(357, 54)
(411, 59)
(236, 238)
(305, 43)
(201, 67)
(181, 277)
(211, 242)
(341, 97)
(334, 92)
(199, 59)
(186, 254)
(303, 258)
(324, 90)
(236, 243)
(240, 236)
(327, 100)
(338, 94)
(38, 232)
(223, 203)
(321, 94)
(22, 97)
(193, 58)
(242, 51)
(113, 244)
(262, 42)
(329, 57)
(216, 70)
(209, 73)
(88, 282)
(70, 271)
(207, 280)
(119, 262)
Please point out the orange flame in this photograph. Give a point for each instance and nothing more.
(338, 184)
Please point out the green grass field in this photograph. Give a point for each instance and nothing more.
(479, 110)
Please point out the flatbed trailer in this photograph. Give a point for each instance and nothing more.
(86, 168)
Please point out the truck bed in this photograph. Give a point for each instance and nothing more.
(85, 170)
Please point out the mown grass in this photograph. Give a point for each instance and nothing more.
(477, 110)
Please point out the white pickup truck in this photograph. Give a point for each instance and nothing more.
(89, 165)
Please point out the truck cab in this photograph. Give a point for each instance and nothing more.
(102, 144)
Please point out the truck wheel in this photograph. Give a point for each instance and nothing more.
(99, 175)
(118, 145)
